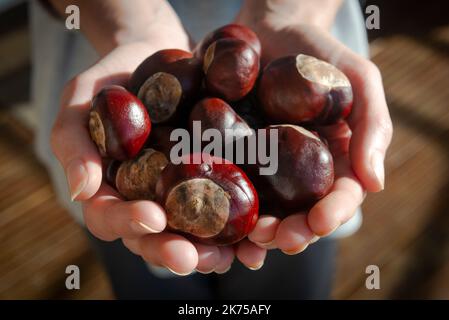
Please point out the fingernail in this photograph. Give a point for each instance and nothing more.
(314, 239)
(205, 272)
(377, 163)
(179, 274)
(223, 271)
(292, 252)
(141, 227)
(76, 177)
(264, 245)
(330, 232)
(254, 268)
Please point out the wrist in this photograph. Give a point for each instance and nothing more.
(276, 15)
(162, 38)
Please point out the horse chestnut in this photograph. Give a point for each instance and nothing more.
(235, 31)
(118, 123)
(231, 68)
(214, 113)
(212, 202)
(304, 90)
(136, 179)
(167, 82)
(305, 171)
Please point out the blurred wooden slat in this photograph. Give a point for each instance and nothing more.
(38, 239)
(404, 227)
(415, 78)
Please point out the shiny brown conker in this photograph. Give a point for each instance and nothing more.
(305, 171)
(118, 123)
(167, 82)
(234, 31)
(231, 68)
(304, 90)
(212, 202)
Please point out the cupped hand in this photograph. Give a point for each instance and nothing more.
(358, 144)
(140, 224)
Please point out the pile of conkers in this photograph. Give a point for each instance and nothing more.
(215, 201)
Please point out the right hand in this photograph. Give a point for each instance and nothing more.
(140, 224)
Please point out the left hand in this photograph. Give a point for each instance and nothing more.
(358, 144)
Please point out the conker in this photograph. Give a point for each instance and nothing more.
(305, 170)
(214, 113)
(167, 82)
(212, 202)
(231, 68)
(118, 123)
(136, 179)
(234, 31)
(304, 90)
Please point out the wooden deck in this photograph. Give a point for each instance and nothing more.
(405, 230)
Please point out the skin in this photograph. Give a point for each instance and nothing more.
(358, 144)
(124, 35)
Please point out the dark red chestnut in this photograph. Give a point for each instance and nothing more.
(231, 68)
(235, 31)
(305, 171)
(214, 113)
(212, 202)
(118, 123)
(167, 82)
(136, 179)
(304, 90)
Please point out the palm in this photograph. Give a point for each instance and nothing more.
(139, 224)
(352, 142)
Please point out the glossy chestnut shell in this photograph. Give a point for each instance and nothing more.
(212, 202)
(167, 82)
(231, 68)
(214, 113)
(118, 123)
(234, 31)
(304, 90)
(305, 171)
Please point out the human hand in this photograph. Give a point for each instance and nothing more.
(140, 224)
(358, 144)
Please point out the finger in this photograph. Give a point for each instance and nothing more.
(208, 258)
(226, 260)
(70, 138)
(294, 235)
(250, 255)
(171, 251)
(370, 123)
(132, 245)
(108, 217)
(369, 119)
(264, 232)
(339, 205)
